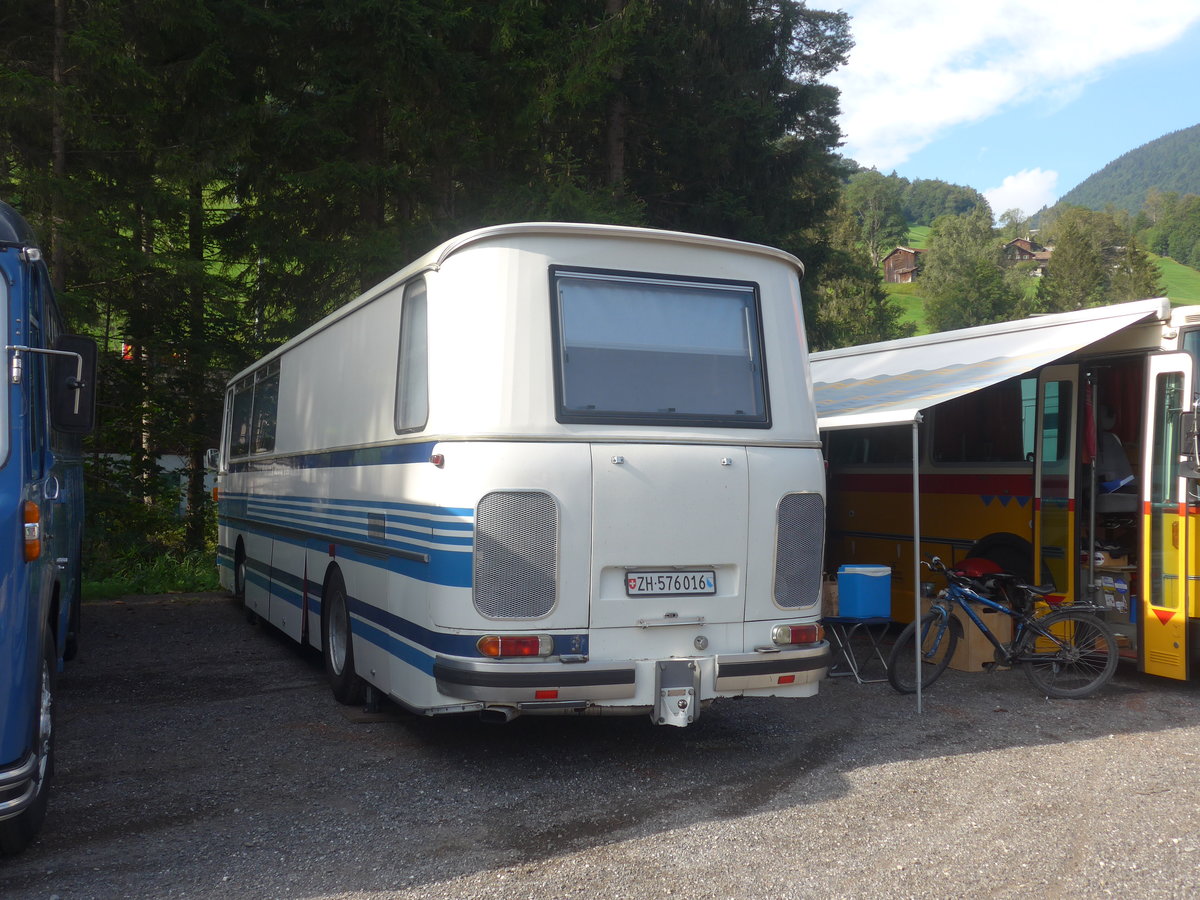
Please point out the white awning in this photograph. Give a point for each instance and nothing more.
(890, 383)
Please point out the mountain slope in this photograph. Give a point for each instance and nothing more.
(1170, 163)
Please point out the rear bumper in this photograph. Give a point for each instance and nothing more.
(756, 671)
(497, 681)
(18, 787)
(603, 682)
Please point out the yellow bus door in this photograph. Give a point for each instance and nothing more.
(1164, 582)
(1054, 478)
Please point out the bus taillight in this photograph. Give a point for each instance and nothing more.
(33, 531)
(785, 635)
(502, 645)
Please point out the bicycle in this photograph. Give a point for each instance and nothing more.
(1068, 653)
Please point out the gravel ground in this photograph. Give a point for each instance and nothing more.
(201, 757)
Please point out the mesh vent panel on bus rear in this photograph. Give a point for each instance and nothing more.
(800, 538)
(516, 554)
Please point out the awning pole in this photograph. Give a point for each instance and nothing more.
(916, 463)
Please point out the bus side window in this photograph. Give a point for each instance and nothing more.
(266, 408)
(890, 445)
(412, 370)
(992, 425)
(239, 430)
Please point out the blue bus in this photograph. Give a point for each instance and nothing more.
(49, 405)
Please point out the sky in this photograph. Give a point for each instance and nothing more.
(1019, 99)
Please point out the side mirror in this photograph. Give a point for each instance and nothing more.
(73, 384)
(212, 459)
(1189, 444)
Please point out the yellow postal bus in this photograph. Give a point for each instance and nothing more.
(1057, 447)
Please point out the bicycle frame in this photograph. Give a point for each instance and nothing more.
(1023, 622)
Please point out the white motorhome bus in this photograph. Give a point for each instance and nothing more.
(545, 468)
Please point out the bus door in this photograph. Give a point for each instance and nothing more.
(1054, 479)
(1164, 582)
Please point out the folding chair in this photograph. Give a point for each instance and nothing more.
(857, 644)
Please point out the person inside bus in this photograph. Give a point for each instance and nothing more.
(1114, 475)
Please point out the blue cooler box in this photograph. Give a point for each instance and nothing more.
(865, 592)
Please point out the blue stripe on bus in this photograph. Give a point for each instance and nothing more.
(307, 511)
(446, 567)
(394, 523)
(299, 521)
(390, 455)
(464, 645)
(361, 535)
(371, 622)
(459, 517)
(393, 646)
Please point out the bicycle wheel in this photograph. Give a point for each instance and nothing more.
(939, 635)
(1078, 661)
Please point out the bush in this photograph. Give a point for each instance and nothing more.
(136, 544)
(195, 571)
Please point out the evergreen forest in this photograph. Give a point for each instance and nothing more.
(1169, 164)
(209, 177)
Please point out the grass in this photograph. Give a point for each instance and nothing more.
(1181, 282)
(166, 574)
(911, 302)
(918, 236)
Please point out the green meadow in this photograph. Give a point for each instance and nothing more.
(1180, 283)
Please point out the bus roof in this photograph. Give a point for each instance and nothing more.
(891, 382)
(437, 257)
(14, 230)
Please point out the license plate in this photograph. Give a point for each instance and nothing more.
(670, 584)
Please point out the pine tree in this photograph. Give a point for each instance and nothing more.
(1135, 276)
(1075, 273)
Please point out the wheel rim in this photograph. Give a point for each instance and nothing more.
(239, 578)
(1083, 660)
(338, 628)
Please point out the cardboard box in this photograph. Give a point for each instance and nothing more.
(973, 650)
(829, 597)
(1112, 592)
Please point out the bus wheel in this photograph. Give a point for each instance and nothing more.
(337, 645)
(239, 574)
(17, 832)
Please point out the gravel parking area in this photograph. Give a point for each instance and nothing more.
(201, 757)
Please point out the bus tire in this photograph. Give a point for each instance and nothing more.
(239, 574)
(337, 644)
(17, 832)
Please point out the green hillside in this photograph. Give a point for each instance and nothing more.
(1181, 283)
(918, 235)
(911, 302)
(1170, 163)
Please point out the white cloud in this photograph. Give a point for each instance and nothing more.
(1029, 190)
(916, 71)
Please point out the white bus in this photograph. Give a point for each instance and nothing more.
(545, 468)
